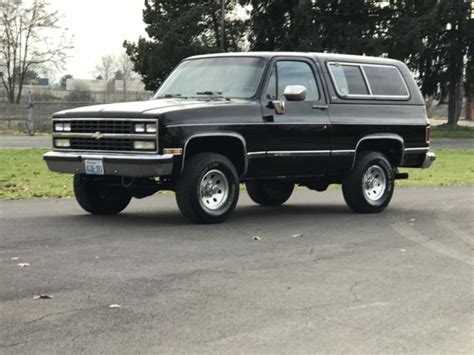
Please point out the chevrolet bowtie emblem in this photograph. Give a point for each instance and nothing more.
(98, 135)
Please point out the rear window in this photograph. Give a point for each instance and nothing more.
(385, 81)
(368, 81)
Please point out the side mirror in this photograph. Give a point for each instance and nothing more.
(295, 93)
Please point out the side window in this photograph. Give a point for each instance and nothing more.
(271, 91)
(385, 81)
(349, 79)
(297, 73)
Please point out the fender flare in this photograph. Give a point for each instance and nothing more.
(217, 134)
(381, 136)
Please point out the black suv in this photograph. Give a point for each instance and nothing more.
(269, 120)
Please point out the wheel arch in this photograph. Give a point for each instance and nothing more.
(237, 151)
(395, 149)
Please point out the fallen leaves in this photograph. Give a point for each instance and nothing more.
(256, 237)
(23, 264)
(42, 297)
(296, 235)
(115, 306)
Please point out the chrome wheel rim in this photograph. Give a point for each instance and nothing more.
(374, 184)
(213, 190)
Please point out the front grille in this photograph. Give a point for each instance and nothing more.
(104, 126)
(106, 135)
(112, 144)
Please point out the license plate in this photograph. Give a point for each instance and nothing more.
(94, 167)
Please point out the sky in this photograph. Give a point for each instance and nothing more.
(99, 28)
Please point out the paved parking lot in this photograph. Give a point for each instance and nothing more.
(401, 281)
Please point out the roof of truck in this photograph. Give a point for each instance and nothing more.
(323, 56)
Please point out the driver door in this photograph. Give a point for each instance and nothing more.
(297, 138)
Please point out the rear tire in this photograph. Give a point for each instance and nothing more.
(369, 186)
(270, 193)
(208, 189)
(98, 196)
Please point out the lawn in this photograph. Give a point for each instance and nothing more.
(445, 132)
(23, 174)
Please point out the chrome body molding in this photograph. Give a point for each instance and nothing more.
(104, 135)
(286, 153)
(132, 165)
(296, 153)
(417, 150)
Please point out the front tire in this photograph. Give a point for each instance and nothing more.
(270, 193)
(100, 196)
(208, 189)
(369, 186)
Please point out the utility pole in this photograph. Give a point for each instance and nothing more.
(223, 26)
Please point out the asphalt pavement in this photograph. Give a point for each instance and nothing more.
(320, 279)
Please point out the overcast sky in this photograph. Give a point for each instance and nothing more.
(99, 28)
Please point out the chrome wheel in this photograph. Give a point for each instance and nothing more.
(374, 184)
(213, 190)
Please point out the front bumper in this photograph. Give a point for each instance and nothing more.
(430, 157)
(114, 164)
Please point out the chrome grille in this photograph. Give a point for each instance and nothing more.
(105, 126)
(105, 135)
(112, 144)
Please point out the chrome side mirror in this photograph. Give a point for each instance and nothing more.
(295, 93)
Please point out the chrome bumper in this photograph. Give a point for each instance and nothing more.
(430, 157)
(114, 164)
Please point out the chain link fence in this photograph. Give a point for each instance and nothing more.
(33, 118)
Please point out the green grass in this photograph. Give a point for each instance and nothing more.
(445, 132)
(453, 167)
(23, 174)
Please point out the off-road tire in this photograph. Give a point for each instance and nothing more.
(189, 196)
(269, 193)
(97, 196)
(369, 186)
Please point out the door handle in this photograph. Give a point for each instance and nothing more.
(268, 118)
(320, 107)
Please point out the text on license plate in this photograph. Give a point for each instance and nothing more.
(94, 167)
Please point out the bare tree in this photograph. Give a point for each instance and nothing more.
(125, 67)
(30, 37)
(106, 67)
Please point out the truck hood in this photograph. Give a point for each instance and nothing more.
(141, 109)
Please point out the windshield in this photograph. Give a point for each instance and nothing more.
(226, 77)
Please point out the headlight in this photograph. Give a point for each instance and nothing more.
(62, 143)
(144, 145)
(59, 127)
(140, 128)
(151, 128)
(67, 127)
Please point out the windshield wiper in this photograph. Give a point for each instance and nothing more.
(209, 93)
(171, 96)
(213, 94)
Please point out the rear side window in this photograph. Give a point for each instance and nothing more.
(385, 81)
(349, 79)
(368, 81)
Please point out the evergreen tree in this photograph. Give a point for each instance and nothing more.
(178, 29)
